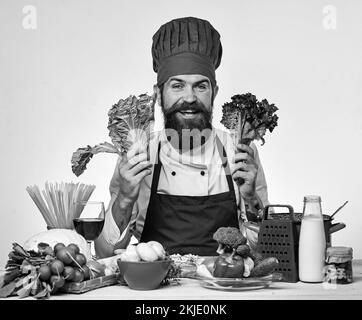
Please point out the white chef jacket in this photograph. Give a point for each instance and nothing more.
(198, 172)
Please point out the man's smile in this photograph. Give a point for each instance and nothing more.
(189, 113)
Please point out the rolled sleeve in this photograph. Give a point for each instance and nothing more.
(111, 233)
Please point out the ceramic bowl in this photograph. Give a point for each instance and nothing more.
(143, 275)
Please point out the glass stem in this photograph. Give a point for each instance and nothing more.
(90, 249)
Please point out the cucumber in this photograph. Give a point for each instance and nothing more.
(265, 267)
(256, 256)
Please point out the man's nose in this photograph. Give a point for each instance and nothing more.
(189, 95)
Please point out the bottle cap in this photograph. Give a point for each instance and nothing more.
(312, 198)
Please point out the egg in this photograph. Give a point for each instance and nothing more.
(130, 256)
(146, 252)
(158, 247)
(131, 248)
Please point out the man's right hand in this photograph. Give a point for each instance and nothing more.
(130, 171)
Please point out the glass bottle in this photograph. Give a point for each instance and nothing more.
(312, 241)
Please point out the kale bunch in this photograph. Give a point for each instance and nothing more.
(248, 117)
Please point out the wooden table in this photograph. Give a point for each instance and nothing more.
(189, 289)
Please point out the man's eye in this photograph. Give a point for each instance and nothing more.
(202, 87)
(177, 86)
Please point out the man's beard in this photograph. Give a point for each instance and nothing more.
(175, 123)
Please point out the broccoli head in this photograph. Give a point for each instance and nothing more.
(228, 238)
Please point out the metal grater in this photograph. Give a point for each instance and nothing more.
(278, 238)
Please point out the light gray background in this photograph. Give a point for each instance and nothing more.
(57, 83)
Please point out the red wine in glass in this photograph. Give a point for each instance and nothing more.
(91, 220)
(89, 228)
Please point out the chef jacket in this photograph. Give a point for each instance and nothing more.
(197, 172)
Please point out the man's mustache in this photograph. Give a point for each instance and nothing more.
(193, 106)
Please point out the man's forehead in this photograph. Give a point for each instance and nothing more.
(192, 78)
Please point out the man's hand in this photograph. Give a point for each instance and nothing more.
(130, 172)
(245, 171)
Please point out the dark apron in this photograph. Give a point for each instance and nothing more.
(186, 224)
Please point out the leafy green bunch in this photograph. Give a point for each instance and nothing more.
(249, 117)
(129, 122)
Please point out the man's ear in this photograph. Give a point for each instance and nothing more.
(216, 90)
(157, 92)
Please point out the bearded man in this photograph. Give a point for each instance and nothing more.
(195, 179)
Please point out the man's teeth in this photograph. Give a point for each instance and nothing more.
(189, 111)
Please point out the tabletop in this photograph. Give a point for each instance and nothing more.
(190, 289)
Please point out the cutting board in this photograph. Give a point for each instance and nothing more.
(91, 284)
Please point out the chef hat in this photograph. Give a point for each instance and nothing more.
(186, 46)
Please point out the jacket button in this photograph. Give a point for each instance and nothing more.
(202, 172)
(173, 173)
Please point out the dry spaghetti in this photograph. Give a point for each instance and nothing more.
(59, 203)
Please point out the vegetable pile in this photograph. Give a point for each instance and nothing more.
(249, 118)
(129, 121)
(236, 259)
(43, 272)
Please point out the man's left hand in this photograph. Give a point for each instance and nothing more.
(245, 170)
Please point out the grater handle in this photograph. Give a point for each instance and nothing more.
(266, 210)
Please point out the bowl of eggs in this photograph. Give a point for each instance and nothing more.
(143, 266)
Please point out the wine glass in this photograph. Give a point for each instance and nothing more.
(90, 222)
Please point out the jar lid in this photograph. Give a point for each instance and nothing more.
(340, 252)
(312, 198)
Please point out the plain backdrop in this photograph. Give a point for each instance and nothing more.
(58, 81)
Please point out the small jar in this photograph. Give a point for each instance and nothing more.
(338, 268)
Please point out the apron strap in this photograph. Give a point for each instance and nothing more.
(156, 173)
(225, 164)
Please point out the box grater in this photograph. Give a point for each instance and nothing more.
(278, 238)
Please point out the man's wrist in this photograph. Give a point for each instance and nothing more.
(253, 207)
(124, 203)
(251, 196)
(121, 211)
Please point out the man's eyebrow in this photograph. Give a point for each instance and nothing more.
(176, 79)
(202, 81)
(196, 83)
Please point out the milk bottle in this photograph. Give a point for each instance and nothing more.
(312, 242)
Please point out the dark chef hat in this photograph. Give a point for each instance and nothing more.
(186, 46)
